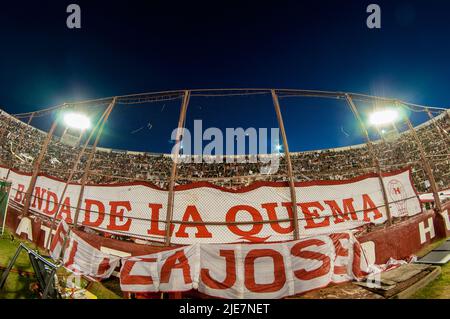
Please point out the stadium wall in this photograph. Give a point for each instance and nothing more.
(406, 238)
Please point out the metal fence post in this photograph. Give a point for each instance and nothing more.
(173, 173)
(287, 155)
(425, 163)
(36, 166)
(372, 153)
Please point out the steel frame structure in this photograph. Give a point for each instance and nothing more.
(184, 96)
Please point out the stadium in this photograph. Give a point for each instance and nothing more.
(189, 225)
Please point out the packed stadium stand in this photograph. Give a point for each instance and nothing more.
(20, 143)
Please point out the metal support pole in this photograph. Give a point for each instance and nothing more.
(426, 164)
(22, 135)
(89, 161)
(71, 174)
(173, 173)
(287, 155)
(3, 131)
(79, 139)
(50, 281)
(86, 175)
(64, 133)
(395, 128)
(372, 153)
(36, 166)
(10, 266)
(439, 129)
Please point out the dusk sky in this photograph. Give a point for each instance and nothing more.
(133, 47)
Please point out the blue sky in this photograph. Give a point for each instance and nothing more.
(131, 47)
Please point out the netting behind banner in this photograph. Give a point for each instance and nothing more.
(225, 196)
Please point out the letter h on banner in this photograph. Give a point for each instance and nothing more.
(424, 230)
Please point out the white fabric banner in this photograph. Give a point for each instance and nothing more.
(58, 240)
(139, 209)
(82, 258)
(254, 271)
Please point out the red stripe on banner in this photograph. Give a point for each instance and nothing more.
(73, 251)
(244, 189)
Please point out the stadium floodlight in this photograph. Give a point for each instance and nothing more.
(383, 117)
(77, 120)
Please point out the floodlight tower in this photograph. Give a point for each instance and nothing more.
(82, 128)
(383, 117)
(377, 118)
(36, 166)
(77, 121)
(74, 120)
(425, 163)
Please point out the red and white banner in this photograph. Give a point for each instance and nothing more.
(82, 258)
(139, 209)
(58, 240)
(273, 270)
(444, 195)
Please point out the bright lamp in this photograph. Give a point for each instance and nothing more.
(77, 120)
(383, 117)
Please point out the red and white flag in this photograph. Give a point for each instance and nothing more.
(82, 258)
(58, 239)
(269, 270)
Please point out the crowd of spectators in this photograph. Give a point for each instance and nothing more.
(20, 145)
